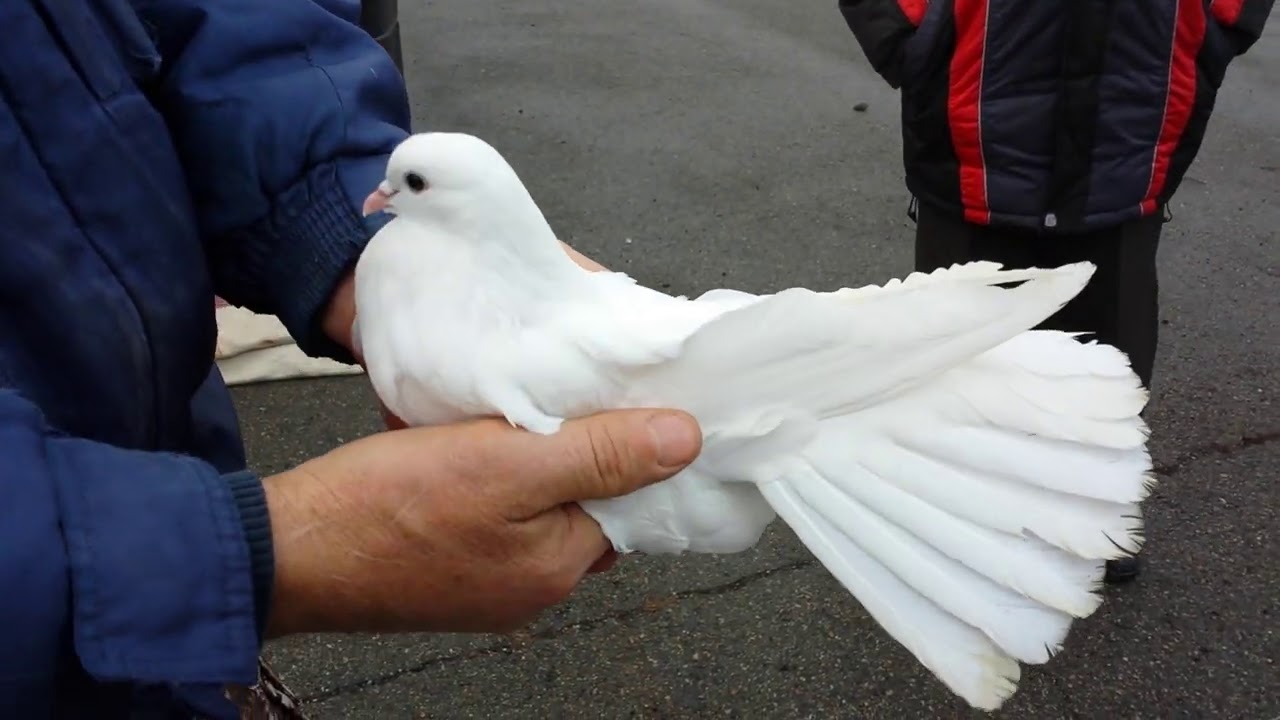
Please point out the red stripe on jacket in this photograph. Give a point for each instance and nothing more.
(1226, 11)
(964, 107)
(914, 10)
(1180, 97)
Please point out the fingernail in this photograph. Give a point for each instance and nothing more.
(677, 437)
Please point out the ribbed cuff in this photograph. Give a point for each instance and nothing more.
(251, 501)
(319, 237)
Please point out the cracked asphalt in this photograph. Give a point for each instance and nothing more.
(709, 143)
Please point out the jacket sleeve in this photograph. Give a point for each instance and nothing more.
(882, 27)
(1243, 20)
(139, 561)
(284, 114)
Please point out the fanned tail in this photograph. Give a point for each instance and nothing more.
(993, 501)
(964, 478)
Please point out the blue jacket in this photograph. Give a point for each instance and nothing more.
(155, 152)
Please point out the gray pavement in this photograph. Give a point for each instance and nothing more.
(705, 143)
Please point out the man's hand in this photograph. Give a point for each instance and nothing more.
(583, 261)
(338, 322)
(465, 528)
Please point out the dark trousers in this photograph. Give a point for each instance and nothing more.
(1119, 306)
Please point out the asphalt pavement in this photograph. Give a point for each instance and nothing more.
(714, 143)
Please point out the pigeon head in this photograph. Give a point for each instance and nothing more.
(430, 174)
(454, 187)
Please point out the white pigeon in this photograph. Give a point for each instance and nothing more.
(965, 478)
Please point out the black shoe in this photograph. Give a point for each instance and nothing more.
(1122, 570)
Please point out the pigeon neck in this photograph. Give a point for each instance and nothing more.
(522, 243)
(538, 264)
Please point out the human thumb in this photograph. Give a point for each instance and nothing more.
(615, 453)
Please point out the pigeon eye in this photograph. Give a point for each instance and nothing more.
(415, 182)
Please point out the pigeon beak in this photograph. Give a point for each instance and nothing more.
(378, 200)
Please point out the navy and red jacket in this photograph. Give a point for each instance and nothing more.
(1062, 116)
